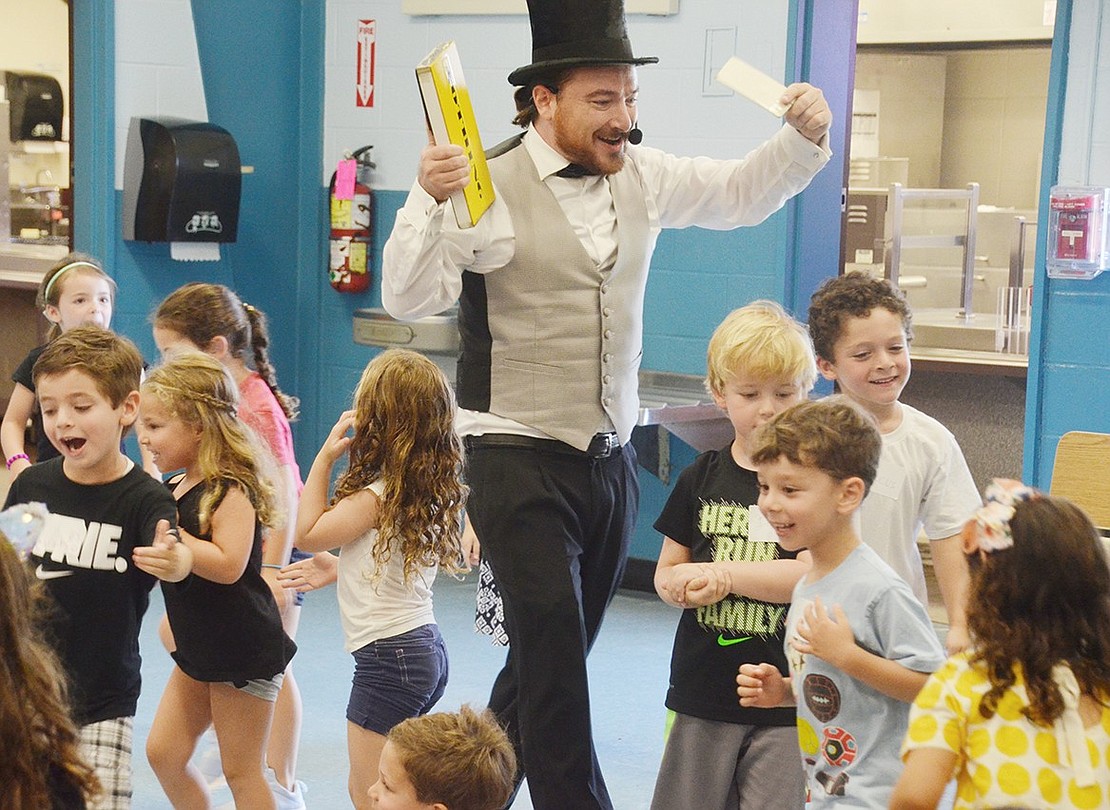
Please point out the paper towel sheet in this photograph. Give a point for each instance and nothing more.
(195, 251)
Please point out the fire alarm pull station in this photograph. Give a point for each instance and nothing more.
(1078, 226)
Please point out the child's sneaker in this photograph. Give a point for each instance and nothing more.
(284, 798)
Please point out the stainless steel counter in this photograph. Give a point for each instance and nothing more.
(23, 265)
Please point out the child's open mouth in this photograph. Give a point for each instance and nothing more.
(73, 445)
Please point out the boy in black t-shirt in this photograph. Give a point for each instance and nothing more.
(722, 563)
(102, 507)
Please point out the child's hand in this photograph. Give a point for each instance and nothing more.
(470, 546)
(822, 634)
(709, 587)
(166, 558)
(693, 585)
(338, 441)
(315, 572)
(761, 686)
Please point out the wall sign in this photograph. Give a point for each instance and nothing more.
(364, 81)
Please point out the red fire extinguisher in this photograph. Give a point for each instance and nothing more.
(349, 235)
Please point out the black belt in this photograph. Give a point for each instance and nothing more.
(602, 445)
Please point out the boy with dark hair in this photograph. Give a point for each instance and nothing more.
(445, 761)
(858, 642)
(720, 562)
(861, 329)
(102, 507)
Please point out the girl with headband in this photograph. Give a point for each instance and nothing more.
(74, 292)
(1022, 719)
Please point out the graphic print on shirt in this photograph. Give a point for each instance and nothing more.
(827, 753)
(726, 526)
(72, 542)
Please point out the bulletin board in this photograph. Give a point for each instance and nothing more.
(419, 7)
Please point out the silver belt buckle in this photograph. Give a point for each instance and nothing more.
(611, 444)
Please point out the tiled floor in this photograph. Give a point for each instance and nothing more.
(628, 671)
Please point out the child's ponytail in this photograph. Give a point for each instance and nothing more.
(260, 342)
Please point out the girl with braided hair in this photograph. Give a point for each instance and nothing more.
(231, 652)
(213, 319)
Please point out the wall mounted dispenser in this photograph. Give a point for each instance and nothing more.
(36, 106)
(181, 182)
(1078, 227)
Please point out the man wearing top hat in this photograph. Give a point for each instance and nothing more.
(550, 285)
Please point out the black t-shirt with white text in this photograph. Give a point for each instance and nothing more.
(83, 558)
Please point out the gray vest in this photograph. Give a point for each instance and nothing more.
(551, 340)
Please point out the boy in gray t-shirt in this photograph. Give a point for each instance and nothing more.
(859, 644)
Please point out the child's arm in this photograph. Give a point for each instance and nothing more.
(232, 528)
(279, 539)
(954, 581)
(471, 546)
(763, 686)
(923, 780)
(14, 427)
(683, 583)
(768, 581)
(675, 571)
(320, 528)
(830, 638)
(311, 573)
(166, 558)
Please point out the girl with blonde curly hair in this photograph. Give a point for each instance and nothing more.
(231, 650)
(396, 515)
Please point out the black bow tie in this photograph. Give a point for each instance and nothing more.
(575, 170)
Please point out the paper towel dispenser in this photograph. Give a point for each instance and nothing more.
(35, 101)
(181, 182)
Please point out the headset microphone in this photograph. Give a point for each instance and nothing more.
(635, 136)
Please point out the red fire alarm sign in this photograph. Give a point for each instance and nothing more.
(364, 95)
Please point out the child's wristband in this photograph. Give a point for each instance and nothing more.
(13, 459)
(272, 565)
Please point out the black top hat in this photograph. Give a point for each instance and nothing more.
(569, 33)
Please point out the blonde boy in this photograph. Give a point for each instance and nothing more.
(858, 642)
(861, 332)
(721, 563)
(102, 509)
(445, 761)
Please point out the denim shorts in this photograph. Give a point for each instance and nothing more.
(397, 678)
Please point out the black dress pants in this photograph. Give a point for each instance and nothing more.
(555, 525)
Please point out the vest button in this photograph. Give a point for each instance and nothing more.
(606, 358)
(608, 334)
(607, 312)
(607, 379)
(607, 401)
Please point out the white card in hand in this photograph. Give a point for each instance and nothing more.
(759, 529)
(753, 84)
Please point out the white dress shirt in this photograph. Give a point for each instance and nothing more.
(426, 253)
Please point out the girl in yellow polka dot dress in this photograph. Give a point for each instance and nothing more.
(1023, 719)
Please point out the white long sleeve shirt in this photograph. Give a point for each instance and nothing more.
(427, 252)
